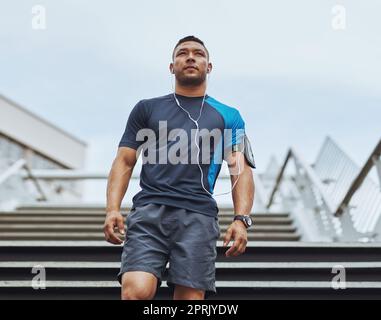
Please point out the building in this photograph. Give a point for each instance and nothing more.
(24, 135)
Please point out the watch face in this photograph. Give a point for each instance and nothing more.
(248, 221)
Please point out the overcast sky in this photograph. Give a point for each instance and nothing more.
(294, 78)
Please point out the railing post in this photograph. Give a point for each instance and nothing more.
(15, 168)
(320, 213)
(278, 180)
(36, 183)
(260, 193)
(377, 163)
(348, 231)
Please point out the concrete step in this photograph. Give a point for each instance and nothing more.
(83, 212)
(88, 235)
(256, 251)
(256, 215)
(225, 271)
(55, 213)
(267, 270)
(52, 220)
(46, 207)
(98, 227)
(65, 207)
(264, 228)
(45, 219)
(258, 220)
(232, 290)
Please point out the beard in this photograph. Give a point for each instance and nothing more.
(192, 81)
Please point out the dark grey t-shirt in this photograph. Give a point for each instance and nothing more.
(178, 183)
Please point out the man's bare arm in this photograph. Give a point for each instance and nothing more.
(243, 199)
(117, 184)
(243, 192)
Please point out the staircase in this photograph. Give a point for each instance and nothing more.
(79, 264)
(86, 223)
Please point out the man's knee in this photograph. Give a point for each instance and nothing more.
(137, 285)
(137, 292)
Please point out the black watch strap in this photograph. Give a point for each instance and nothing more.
(246, 219)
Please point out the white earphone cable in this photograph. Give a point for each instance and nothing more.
(196, 143)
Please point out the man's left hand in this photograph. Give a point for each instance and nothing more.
(236, 231)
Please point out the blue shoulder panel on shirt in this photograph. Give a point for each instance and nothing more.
(231, 116)
(233, 121)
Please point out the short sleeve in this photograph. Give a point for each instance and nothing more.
(137, 120)
(237, 140)
(234, 136)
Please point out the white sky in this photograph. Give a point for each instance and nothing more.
(292, 76)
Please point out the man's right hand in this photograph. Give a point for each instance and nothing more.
(114, 219)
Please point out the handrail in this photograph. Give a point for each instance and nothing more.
(278, 179)
(15, 169)
(373, 160)
(315, 180)
(260, 190)
(357, 182)
(310, 174)
(377, 163)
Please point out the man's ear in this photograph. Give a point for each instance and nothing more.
(210, 67)
(171, 68)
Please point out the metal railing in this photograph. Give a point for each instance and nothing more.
(67, 175)
(15, 169)
(332, 199)
(317, 204)
(344, 202)
(373, 160)
(361, 204)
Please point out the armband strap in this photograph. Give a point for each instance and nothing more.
(248, 152)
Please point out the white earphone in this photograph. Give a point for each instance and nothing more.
(196, 135)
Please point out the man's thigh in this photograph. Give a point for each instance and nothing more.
(193, 254)
(146, 245)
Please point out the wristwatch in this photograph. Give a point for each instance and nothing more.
(246, 219)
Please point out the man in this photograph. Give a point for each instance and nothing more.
(174, 216)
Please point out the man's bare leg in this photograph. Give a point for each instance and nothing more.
(186, 293)
(138, 285)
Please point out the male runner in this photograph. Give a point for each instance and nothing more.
(174, 217)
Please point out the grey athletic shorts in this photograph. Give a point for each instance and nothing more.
(157, 234)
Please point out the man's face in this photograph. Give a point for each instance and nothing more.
(190, 63)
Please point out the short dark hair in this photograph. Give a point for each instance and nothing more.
(189, 38)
